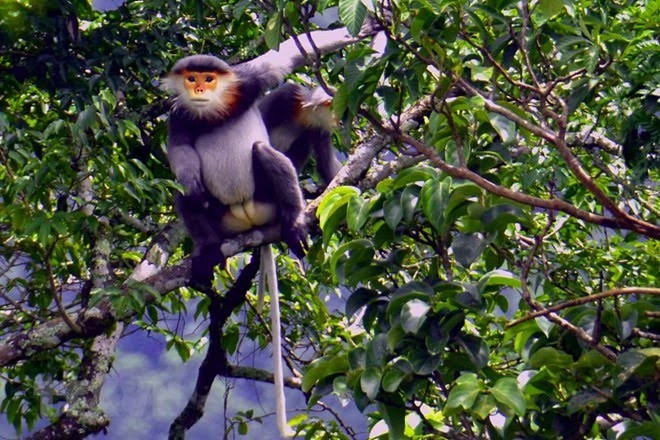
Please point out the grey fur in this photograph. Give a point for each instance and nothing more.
(299, 124)
(234, 180)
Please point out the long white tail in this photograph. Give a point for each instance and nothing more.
(269, 272)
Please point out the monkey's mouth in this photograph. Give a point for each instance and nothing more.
(199, 102)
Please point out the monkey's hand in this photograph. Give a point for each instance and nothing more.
(196, 202)
(192, 181)
(294, 234)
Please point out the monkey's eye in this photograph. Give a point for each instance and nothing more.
(209, 79)
(191, 79)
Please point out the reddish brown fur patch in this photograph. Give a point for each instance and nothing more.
(231, 95)
(298, 108)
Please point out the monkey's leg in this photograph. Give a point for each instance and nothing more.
(202, 221)
(300, 151)
(326, 162)
(276, 180)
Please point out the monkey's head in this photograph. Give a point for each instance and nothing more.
(203, 85)
(315, 109)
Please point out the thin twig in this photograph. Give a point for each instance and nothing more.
(587, 299)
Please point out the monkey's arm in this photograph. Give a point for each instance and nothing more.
(183, 158)
(278, 107)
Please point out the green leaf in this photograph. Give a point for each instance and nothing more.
(395, 418)
(467, 248)
(340, 385)
(409, 200)
(484, 406)
(499, 216)
(393, 211)
(395, 336)
(334, 200)
(434, 197)
(642, 362)
(357, 213)
(506, 391)
(639, 431)
(413, 315)
(370, 382)
(332, 210)
(585, 400)
(476, 348)
(377, 351)
(272, 32)
(463, 193)
(415, 174)
(86, 119)
(359, 252)
(360, 397)
(352, 14)
(408, 292)
(506, 128)
(230, 338)
(358, 299)
(499, 278)
(548, 356)
(392, 379)
(423, 362)
(322, 368)
(357, 358)
(550, 8)
(464, 393)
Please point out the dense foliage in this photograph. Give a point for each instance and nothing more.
(494, 230)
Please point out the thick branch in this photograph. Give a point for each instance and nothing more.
(259, 375)
(96, 320)
(215, 363)
(360, 160)
(54, 333)
(293, 52)
(82, 416)
(70, 426)
(596, 138)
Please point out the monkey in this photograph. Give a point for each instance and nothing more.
(234, 180)
(211, 130)
(300, 122)
(218, 150)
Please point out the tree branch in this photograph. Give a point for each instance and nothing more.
(587, 299)
(215, 363)
(622, 219)
(552, 316)
(552, 205)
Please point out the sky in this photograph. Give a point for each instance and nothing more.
(106, 5)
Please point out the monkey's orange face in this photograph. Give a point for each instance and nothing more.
(207, 95)
(200, 85)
